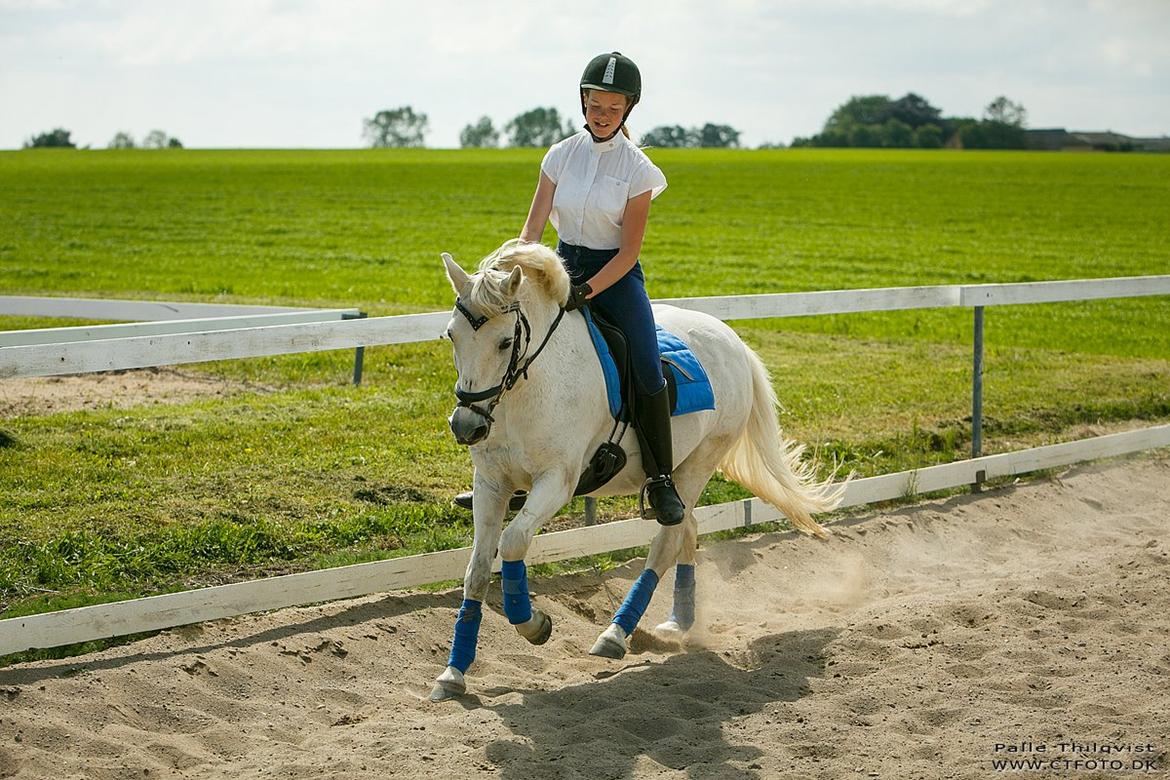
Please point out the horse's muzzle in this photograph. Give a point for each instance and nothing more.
(469, 426)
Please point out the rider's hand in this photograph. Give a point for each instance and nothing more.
(578, 296)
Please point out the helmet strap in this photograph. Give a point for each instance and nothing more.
(598, 139)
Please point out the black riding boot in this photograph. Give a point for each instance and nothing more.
(515, 503)
(653, 426)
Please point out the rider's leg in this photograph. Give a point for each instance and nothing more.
(628, 305)
(467, 500)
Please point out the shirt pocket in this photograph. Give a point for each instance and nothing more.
(611, 196)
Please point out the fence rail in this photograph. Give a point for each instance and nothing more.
(224, 344)
(154, 613)
(31, 336)
(115, 309)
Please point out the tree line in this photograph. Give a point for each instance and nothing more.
(60, 138)
(403, 127)
(862, 121)
(912, 122)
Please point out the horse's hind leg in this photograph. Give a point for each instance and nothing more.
(673, 543)
(664, 552)
(682, 615)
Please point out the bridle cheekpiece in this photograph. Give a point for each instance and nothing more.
(515, 371)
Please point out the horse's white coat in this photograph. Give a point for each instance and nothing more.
(549, 425)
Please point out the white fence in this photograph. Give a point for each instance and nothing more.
(48, 359)
(114, 346)
(166, 611)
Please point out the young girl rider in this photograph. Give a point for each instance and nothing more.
(596, 187)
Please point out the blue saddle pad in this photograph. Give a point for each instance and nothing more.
(694, 387)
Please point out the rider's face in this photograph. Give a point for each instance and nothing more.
(604, 111)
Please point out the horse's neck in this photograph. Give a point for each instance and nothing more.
(543, 404)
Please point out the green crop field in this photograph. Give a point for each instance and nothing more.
(308, 472)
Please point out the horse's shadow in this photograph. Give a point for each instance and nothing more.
(674, 713)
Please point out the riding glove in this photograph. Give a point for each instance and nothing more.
(578, 296)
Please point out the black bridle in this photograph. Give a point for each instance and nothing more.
(515, 370)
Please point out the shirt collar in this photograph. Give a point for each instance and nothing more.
(606, 146)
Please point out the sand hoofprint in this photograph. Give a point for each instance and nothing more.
(909, 645)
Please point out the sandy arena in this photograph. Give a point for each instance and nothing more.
(922, 642)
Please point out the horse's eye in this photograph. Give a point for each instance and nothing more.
(505, 344)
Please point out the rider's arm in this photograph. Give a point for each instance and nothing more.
(539, 210)
(633, 230)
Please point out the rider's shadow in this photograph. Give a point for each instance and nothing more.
(673, 712)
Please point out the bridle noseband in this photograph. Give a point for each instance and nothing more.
(515, 371)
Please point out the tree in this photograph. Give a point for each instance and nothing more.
(121, 140)
(667, 137)
(859, 110)
(481, 134)
(928, 137)
(865, 136)
(993, 135)
(398, 127)
(174, 143)
(538, 127)
(896, 134)
(720, 136)
(1005, 112)
(56, 138)
(155, 139)
(914, 110)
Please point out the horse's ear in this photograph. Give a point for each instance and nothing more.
(456, 275)
(512, 283)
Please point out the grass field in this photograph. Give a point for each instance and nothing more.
(117, 502)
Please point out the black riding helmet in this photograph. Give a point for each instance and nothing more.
(613, 72)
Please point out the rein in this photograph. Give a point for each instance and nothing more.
(514, 372)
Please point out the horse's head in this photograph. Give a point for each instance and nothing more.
(490, 331)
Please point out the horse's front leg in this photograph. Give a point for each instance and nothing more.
(490, 504)
(550, 491)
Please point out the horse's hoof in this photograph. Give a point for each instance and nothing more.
(538, 628)
(671, 631)
(448, 685)
(611, 643)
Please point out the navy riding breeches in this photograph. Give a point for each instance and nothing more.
(626, 305)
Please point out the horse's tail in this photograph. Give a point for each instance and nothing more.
(767, 464)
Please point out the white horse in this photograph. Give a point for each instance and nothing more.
(533, 409)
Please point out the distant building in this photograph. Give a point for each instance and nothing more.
(1059, 139)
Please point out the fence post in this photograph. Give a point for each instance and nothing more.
(359, 354)
(590, 510)
(977, 390)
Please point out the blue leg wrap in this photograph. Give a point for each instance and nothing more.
(517, 605)
(466, 635)
(684, 595)
(636, 601)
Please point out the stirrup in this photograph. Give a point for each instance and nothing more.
(663, 482)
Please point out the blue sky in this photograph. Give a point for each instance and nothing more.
(284, 73)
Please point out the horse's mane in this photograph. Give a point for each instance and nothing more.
(542, 268)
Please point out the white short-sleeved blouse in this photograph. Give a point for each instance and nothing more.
(594, 181)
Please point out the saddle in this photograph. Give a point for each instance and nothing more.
(614, 354)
